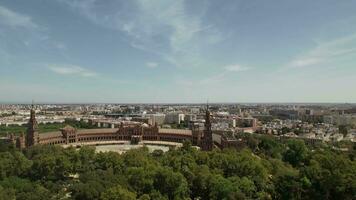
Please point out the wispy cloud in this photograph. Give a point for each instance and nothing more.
(227, 70)
(152, 65)
(326, 51)
(14, 19)
(71, 70)
(162, 27)
(303, 62)
(223, 75)
(236, 68)
(20, 36)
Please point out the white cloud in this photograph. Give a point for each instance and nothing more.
(152, 65)
(71, 70)
(326, 51)
(59, 45)
(303, 62)
(217, 77)
(14, 19)
(236, 68)
(222, 76)
(162, 27)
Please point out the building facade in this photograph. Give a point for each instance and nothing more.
(134, 133)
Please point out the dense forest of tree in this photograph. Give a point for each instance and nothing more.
(266, 169)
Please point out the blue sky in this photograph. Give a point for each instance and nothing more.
(166, 51)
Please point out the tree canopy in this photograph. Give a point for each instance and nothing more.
(264, 169)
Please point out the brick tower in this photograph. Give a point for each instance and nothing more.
(32, 136)
(207, 143)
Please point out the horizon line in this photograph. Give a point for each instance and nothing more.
(166, 103)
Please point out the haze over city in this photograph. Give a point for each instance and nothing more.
(177, 51)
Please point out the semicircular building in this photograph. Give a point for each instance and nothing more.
(124, 133)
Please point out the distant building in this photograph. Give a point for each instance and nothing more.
(190, 117)
(145, 120)
(156, 118)
(284, 114)
(346, 119)
(309, 112)
(134, 132)
(244, 122)
(174, 118)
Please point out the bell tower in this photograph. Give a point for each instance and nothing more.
(207, 144)
(32, 136)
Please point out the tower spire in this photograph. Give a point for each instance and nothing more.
(208, 134)
(32, 136)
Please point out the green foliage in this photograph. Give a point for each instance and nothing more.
(24, 189)
(145, 197)
(220, 187)
(16, 129)
(118, 193)
(270, 147)
(296, 152)
(269, 169)
(331, 175)
(343, 129)
(140, 179)
(7, 194)
(170, 183)
(6, 146)
(13, 164)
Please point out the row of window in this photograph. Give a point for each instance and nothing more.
(53, 141)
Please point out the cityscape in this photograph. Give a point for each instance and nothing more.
(314, 123)
(177, 100)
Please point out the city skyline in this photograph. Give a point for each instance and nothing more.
(89, 51)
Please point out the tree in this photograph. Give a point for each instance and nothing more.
(170, 183)
(109, 160)
(343, 130)
(51, 167)
(221, 188)
(296, 152)
(245, 185)
(118, 193)
(252, 142)
(140, 179)
(145, 197)
(270, 147)
(6, 165)
(288, 186)
(180, 173)
(24, 189)
(13, 164)
(90, 190)
(200, 187)
(7, 194)
(332, 176)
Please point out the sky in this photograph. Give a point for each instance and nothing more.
(177, 51)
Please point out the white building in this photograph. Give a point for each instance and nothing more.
(156, 118)
(174, 118)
